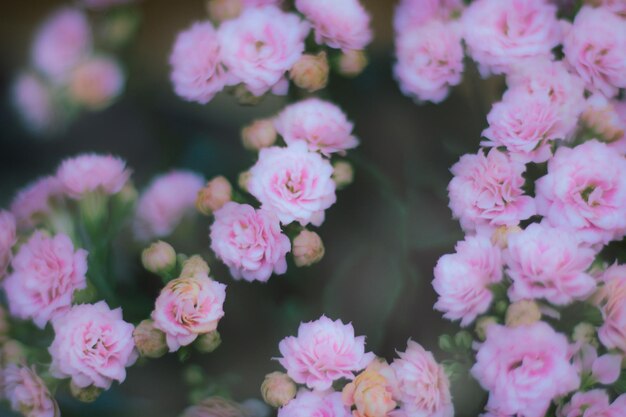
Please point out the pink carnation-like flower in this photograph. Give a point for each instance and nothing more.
(323, 352)
(487, 191)
(196, 60)
(7, 239)
(430, 60)
(93, 345)
(250, 242)
(33, 202)
(27, 393)
(596, 48)
(46, 272)
(96, 82)
(188, 307)
(91, 172)
(524, 368)
(318, 123)
(62, 41)
(293, 183)
(423, 387)
(611, 299)
(308, 404)
(33, 102)
(550, 263)
(165, 203)
(340, 24)
(500, 34)
(414, 13)
(585, 190)
(462, 279)
(594, 403)
(261, 45)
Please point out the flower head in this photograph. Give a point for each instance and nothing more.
(27, 393)
(92, 172)
(307, 404)
(34, 201)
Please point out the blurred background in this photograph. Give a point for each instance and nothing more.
(382, 238)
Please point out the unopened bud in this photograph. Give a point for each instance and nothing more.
(482, 324)
(149, 340)
(500, 236)
(278, 389)
(214, 195)
(310, 72)
(522, 313)
(87, 395)
(308, 248)
(585, 333)
(343, 174)
(352, 63)
(159, 258)
(221, 10)
(259, 134)
(208, 342)
(194, 266)
(243, 180)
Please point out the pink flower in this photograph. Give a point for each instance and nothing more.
(500, 34)
(96, 82)
(196, 60)
(250, 242)
(320, 124)
(423, 387)
(27, 393)
(616, 6)
(165, 203)
(323, 352)
(188, 307)
(340, 24)
(92, 172)
(308, 404)
(550, 263)
(293, 183)
(486, 191)
(261, 45)
(7, 239)
(524, 368)
(462, 279)
(33, 202)
(611, 299)
(594, 403)
(585, 190)
(607, 119)
(33, 101)
(46, 272)
(414, 13)
(430, 60)
(93, 345)
(603, 369)
(61, 42)
(596, 48)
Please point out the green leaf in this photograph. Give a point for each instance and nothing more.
(620, 385)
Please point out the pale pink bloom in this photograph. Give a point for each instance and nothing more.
(318, 123)
(550, 263)
(261, 45)
(33, 202)
(8, 238)
(103, 4)
(616, 6)
(499, 34)
(486, 191)
(92, 345)
(46, 272)
(594, 403)
(96, 82)
(462, 279)
(322, 404)
(61, 42)
(596, 49)
(250, 242)
(430, 60)
(33, 101)
(92, 172)
(585, 190)
(187, 308)
(323, 352)
(524, 368)
(611, 299)
(603, 369)
(414, 13)
(340, 24)
(164, 204)
(607, 119)
(293, 183)
(423, 387)
(196, 60)
(27, 393)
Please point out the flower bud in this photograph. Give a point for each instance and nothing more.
(522, 313)
(159, 258)
(243, 179)
(278, 389)
(150, 341)
(221, 10)
(12, 352)
(585, 333)
(214, 195)
(343, 174)
(310, 72)
(208, 342)
(259, 134)
(194, 266)
(482, 324)
(601, 117)
(500, 236)
(308, 248)
(352, 63)
(87, 395)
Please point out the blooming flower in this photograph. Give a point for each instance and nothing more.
(611, 299)
(323, 352)
(413, 13)
(96, 82)
(92, 172)
(250, 242)
(7, 239)
(594, 403)
(33, 101)
(34, 201)
(93, 345)
(320, 124)
(371, 392)
(27, 393)
(293, 183)
(524, 368)
(307, 404)
(188, 307)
